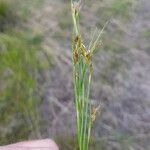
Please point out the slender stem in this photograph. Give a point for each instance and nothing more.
(86, 112)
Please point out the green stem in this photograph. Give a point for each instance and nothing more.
(86, 113)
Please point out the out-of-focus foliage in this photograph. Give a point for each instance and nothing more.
(8, 14)
(18, 69)
(19, 65)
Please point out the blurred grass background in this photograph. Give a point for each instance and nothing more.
(36, 99)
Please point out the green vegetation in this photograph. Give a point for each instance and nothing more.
(8, 15)
(3, 8)
(19, 66)
(82, 72)
(18, 69)
(69, 143)
(120, 140)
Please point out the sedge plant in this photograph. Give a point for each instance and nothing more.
(82, 75)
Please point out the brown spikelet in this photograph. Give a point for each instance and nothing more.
(83, 50)
(94, 112)
(88, 58)
(75, 56)
(76, 40)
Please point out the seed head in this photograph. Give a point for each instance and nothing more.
(75, 57)
(76, 5)
(94, 112)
